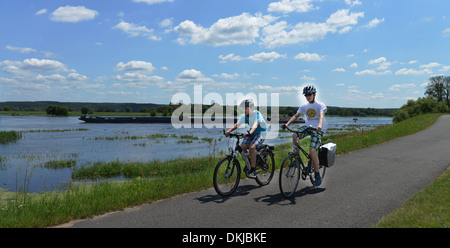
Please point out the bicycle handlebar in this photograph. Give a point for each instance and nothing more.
(238, 135)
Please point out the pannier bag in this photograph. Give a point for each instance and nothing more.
(327, 154)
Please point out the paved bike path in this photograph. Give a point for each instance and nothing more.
(361, 188)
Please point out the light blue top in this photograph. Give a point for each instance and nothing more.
(255, 117)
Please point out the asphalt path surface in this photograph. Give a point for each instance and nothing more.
(361, 188)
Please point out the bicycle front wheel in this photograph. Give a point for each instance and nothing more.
(265, 168)
(226, 176)
(289, 175)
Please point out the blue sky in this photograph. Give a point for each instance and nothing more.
(358, 53)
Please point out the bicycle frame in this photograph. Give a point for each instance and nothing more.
(308, 167)
(238, 149)
(298, 141)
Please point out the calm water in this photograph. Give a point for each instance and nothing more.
(107, 142)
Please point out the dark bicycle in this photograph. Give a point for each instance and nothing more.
(227, 173)
(293, 168)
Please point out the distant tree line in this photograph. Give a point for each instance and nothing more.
(167, 110)
(436, 100)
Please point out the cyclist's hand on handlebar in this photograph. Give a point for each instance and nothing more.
(226, 133)
(284, 126)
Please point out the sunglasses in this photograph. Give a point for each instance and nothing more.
(306, 95)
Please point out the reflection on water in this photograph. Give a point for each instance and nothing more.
(85, 143)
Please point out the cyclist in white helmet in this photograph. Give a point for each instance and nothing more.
(255, 136)
(314, 112)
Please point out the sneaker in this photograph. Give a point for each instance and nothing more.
(318, 179)
(252, 174)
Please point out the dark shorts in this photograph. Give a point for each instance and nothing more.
(253, 139)
(316, 136)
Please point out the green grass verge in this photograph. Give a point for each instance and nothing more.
(153, 181)
(429, 208)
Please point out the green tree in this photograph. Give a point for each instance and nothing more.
(85, 110)
(436, 88)
(57, 110)
(447, 90)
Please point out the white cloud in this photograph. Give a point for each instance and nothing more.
(20, 49)
(354, 65)
(36, 75)
(242, 30)
(374, 23)
(373, 73)
(445, 68)
(190, 74)
(342, 18)
(280, 33)
(188, 77)
(41, 12)
(377, 96)
(287, 6)
(230, 57)
(33, 64)
(73, 14)
(259, 57)
(398, 87)
(135, 66)
(413, 72)
(150, 2)
(29, 50)
(306, 78)
(291, 90)
(446, 32)
(166, 22)
(430, 65)
(227, 76)
(309, 57)
(381, 68)
(344, 30)
(137, 80)
(381, 62)
(245, 29)
(133, 30)
(353, 3)
(339, 70)
(266, 57)
(76, 77)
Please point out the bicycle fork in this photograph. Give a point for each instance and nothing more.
(230, 167)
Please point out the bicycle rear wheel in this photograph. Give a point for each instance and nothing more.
(289, 175)
(226, 176)
(265, 168)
